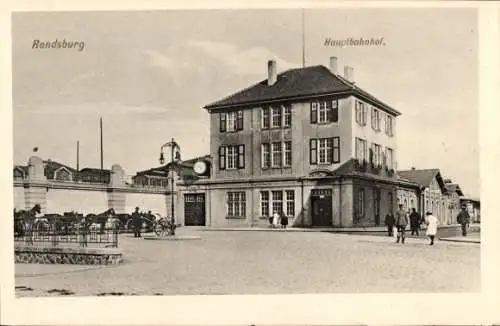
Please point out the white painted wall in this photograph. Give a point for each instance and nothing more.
(82, 201)
(19, 198)
(156, 203)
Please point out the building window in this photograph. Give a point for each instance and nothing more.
(276, 154)
(232, 157)
(287, 116)
(265, 118)
(277, 201)
(325, 150)
(375, 119)
(360, 204)
(324, 111)
(264, 203)
(276, 117)
(376, 158)
(360, 109)
(231, 121)
(266, 156)
(389, 125)
(287, 159)
(360, 145)
(236, 204)
(290, 203)
(390, 158)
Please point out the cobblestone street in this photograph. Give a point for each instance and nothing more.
(236, 262)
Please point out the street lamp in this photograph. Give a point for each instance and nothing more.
(175, 155)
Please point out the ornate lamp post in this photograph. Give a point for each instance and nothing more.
(175, 155)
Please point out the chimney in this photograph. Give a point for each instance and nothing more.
(413, 168)
(349, 74)
(271, 72)
(333, 65)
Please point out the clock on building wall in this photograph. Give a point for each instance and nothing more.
(200, 167)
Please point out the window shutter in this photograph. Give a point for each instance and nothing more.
(222, 158)
(222, 122)
(365, 112)
(241, 156)
(329, 146)
(239, 121)
(334, 114)
(371, 155)
(265, 118)
(314, 112)
(336, 149)
(313, 151)
(329, 115)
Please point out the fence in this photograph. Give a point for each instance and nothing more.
(83, 237)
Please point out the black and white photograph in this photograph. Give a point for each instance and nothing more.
(245, 151)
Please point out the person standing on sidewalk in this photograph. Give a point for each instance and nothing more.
(284, 220)
(136, 222)
(389, 221)
(432, 224)
(414, 222)
(463, 219)
(401, 223)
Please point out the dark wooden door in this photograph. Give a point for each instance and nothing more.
(376, 205)
(194, 209)
(321, 204)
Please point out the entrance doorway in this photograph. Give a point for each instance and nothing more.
(194, 209)
(376, 205)
(321, 207)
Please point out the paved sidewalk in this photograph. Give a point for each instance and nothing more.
(370, 229)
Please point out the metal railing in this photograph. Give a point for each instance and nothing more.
(83, 237)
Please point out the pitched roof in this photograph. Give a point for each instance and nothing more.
(94, 171)
(52, 166)
(299, 83)
(453, 187)
(423, 177)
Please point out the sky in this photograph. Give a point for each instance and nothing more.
(148, 75)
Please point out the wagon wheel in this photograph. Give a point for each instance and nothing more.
(160, 228)
(128, 225)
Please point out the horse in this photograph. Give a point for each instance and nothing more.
(25, 220)
(99, 219)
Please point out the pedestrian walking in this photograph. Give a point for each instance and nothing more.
(389, 221)
(414, 222)
(432, 224)
(463, 219)
(136, 222)
(284, 220)
(401, 223)
(276, 218)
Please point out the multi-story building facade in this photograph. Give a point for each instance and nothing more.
(307, 142)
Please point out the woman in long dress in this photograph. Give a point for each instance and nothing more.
(276, 217)
(432, 224)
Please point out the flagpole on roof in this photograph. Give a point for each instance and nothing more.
(102, 165)
(303, 41)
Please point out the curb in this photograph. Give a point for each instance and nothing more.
(458, 240)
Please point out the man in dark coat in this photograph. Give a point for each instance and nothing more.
(136, 222)
(401, 223)
(389, 221)
(463, 219)
(414, 222)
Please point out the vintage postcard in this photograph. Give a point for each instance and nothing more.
(264, 157)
